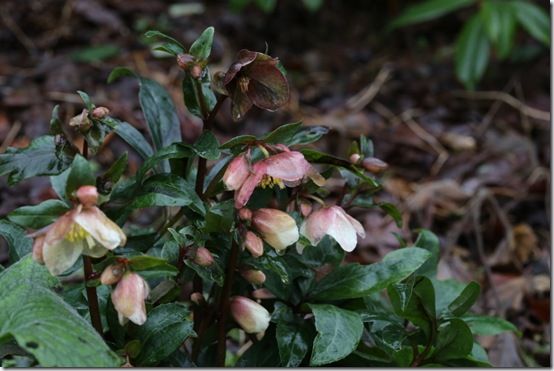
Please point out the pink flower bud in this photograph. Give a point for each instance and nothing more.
(128, 298)
(262, 294)
(100, 112)
(277, 228)
(236, 173)
(184, 61)
(254, 244)
(305, 208)
(354, 158)
(251, 316)
(112, 274)
(254, 276)
(203, 257)
(245, 214)
(87, 195)
(374, 165)
(196, 71)
(197, 298)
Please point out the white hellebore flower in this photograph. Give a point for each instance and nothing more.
(251, 316)
(83, 230)
(335, 222)
(128, 298)
(276, 227)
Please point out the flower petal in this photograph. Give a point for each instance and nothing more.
(268, 88)
(61, 255)
(240, 103)
(288, 166)
(244, 58)
(277, 228)
(128, 298)
(342, 230)
(315, 227)
(243, 194)
(101, 228)
(236, 173)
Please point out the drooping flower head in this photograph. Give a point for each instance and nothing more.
(286, 168)
(255, 79)
(83, 230)
(128, 298)
(276, 227)
(251, 316)
(335, 222)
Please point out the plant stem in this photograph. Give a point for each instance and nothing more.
(92, 296)
(224, 303)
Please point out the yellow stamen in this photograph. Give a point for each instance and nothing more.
(76, 233)
(269, 182)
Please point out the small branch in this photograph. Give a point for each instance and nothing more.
(224, 303)
(505, 98)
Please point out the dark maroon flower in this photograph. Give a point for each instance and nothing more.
(255, 79)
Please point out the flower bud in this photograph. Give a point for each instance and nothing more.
(81, 121)
(262, 294)
(197, 298)
(37, 249)
(185, 60)
(217, 83)
(354, 158)
(236, 173)
(196, 71)
(128, 298)
(277, 228)
(305, 208)
(100, 112)
(374, 165)
(254, 244)
(203, 257)
(87, 195)
(251, 316)
(112, 274)
(254, 276)
(245, 214)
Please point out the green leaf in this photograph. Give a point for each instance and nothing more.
(41, 157)
(212, 273)
(533, 19)
(18, 242)
(487, 325)
(151, 263)
(114, 173)
(202, 47)
(293, 340)
(44, 325)
(95, 53)
(167, 327)
(55, 122)
(282, 133)
(198, 95)
(307, 135)
(238, 141)
(132, 136)
(81, 174)
(207, 146)
(393, 212)
(466, 299)
(454, 340)
(119, 72)
(355, 281)
(472, 52)
(327, 251)
(429, 241)
(267, 6)
(172, 46)
(428, 10)
(338, 333)
(167, 190)
(159, 112)
(500, 22)
(323, 158)
(38, 216)
(312, 5)
(220, 217)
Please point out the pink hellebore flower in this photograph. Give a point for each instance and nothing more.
(83, 230)
(287, 168)
(128, 298)
(276, 227)
(251, 316)
(335, 222)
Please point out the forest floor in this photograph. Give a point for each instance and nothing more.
(472, 167)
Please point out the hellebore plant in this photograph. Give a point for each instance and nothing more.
(246, 262)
